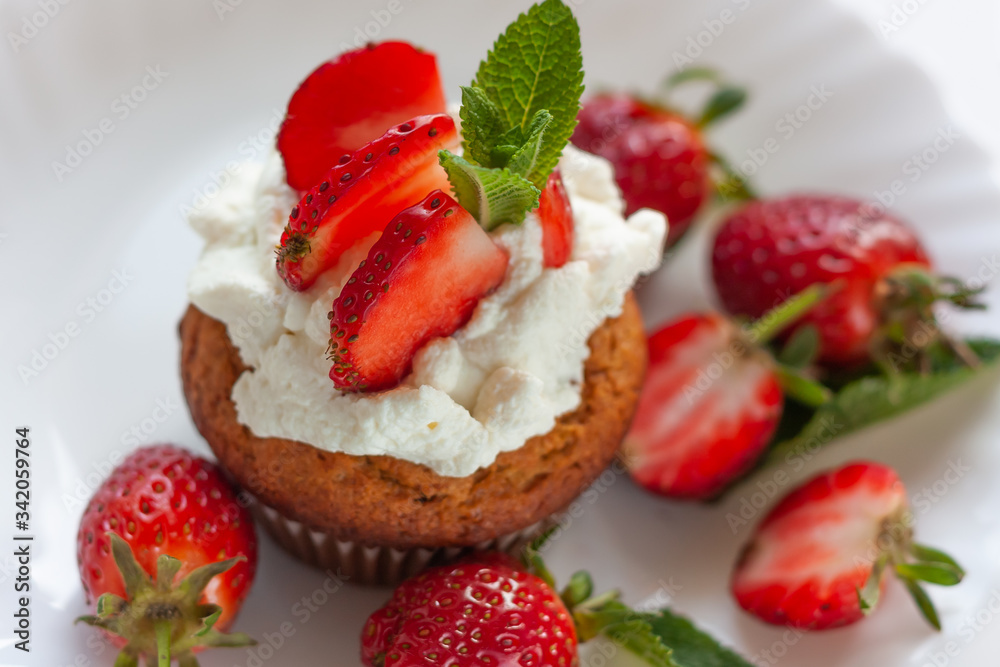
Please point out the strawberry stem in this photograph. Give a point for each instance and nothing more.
(779, 318)
(803, 389)
(730, 185)
(163, 627)
(126, 660)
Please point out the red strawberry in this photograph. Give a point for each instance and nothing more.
(709, 407)
(161, 504)
(351, 100)
(659, 156)
(422, 279)
(604, 117)
(556, 216)
(483, 611)
(816, 560)
(360, 195)
(771, 249)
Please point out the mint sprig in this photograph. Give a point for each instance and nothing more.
(492, 196)
(518, 115)
(537, 64)
(657, 638)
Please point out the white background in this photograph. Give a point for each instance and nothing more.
(61, 241)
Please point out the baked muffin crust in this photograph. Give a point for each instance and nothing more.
(387, 502)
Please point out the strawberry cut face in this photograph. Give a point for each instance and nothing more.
(706, 411)
(422, 279)
(352, 100)
(816, 548)
(361, 194)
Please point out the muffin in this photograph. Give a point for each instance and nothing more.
(378, 519)
(392, 400)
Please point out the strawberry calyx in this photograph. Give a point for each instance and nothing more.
(909, 329)
(912, 564)
(726, 99)
(159, 620)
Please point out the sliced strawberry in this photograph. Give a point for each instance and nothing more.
(351, 100)
(422, 279)
(815, 550)
(361, 194)
(556, 216)
(708, 409)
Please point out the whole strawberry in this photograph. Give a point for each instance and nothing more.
(773, 248)
(818, 559)
(483, 611)
(659, 155)
(166, 552)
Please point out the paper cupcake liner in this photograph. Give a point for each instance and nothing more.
(374, 565)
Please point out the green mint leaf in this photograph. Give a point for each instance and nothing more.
(536, 64)
(527, 160)
(874, 398)
(636, 635)
(482, 126)
(690, 646)
(492, 196)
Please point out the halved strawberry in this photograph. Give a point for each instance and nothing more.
(422, 279)
(816, 561)
(361, 194)
(709, 407)
(351, 100)
(556, 216)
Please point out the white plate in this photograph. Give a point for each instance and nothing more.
(224, 78)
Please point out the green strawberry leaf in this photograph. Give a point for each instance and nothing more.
(726, 101)
(492, 196)
(930, 555)
(941, 574)
(690, 646)
(579, 588)
(801, 348)
(874, 398)
(923, 602)
(536, 64)
(869, 595)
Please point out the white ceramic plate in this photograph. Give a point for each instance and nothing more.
(156, 97)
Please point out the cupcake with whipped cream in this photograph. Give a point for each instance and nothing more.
(444, 351)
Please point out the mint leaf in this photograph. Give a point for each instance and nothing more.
(874, 398)
(492, 196)
(481, 125)
(536, 64)
(606, 615)
(526, 161)
(637, 636)
(689, 646)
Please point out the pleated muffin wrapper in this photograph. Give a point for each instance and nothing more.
(357, 563)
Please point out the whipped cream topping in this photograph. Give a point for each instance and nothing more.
(503, 378)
